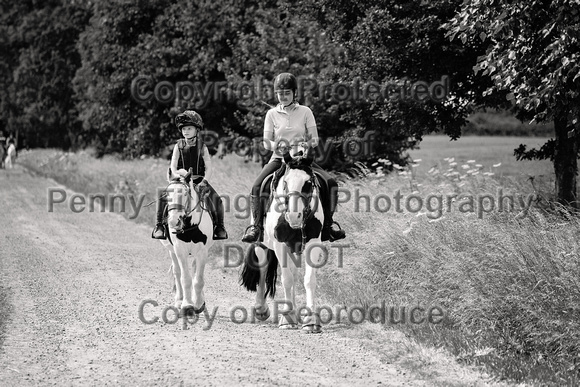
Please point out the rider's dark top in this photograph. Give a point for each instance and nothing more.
(191, 156)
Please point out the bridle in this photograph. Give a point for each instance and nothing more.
(178, 206)
(306, 195)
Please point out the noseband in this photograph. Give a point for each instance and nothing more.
(307, 212)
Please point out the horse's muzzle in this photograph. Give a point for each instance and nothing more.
(294, 219)
(177, 223)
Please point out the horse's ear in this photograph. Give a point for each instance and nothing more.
(309, 157)
(169, 175)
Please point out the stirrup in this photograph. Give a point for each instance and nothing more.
(340, 232)
(220, 233)
(159, 228)
(246, 237)
(335, 222)
(327, 231)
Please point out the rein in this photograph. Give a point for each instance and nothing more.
(307, 212)
(183, 207)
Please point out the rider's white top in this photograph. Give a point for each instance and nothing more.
(289, 123)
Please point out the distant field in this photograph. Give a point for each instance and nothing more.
(486, 150)
(503, 123)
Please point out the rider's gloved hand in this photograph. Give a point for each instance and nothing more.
(203, 188)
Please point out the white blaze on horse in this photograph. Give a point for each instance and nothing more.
(292, 231)
(190, 234)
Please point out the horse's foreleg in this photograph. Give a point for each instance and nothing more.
(288, 283)
(288, 318)
(295, 276)
(186, 280)
(311, 323)
(198, 280)
(176, 272)
(176, 268)
(316, 258)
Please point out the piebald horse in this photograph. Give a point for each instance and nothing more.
(190, 233)
(292, 231)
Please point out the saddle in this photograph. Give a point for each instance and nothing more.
(271, 181)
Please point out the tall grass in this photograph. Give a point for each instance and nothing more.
(508, 281)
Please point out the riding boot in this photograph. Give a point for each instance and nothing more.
(159, 230)
(219, 231)
(253, 232)
(328, 232)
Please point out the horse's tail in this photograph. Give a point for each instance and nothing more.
(271, 274)
(250, 272)
(250, 276)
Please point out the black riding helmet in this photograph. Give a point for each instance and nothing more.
(188, 117)
(286, 81)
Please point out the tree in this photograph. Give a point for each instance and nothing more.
(38, 61)
(282, 40)
(167, 43)
(362, 49)
(402, 48)
(113, 51)
(533, 53)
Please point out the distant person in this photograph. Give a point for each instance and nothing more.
(3, 140)
(10, 137)
(191, 152)
(11, 154)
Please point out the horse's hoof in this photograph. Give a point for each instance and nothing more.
(311, 329)
(311, 324)
(287, 321)
(288, 326)
(262, 316)
(187, 310)
(198, 311)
